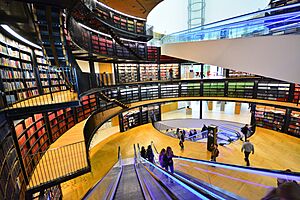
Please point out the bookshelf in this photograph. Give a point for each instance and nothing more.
(88, 105)
(296, 98)
(131, 119)
(138, 116)
(18, 80)
(190, 89)
(270, 117)
(213, 89)
(294, 125)
(240, 89)
(149, 72)
(274, 90)
(164, 71)
(127, 73)
(33, 139)
(12, 182)
(169, 90)
(129, 94)
(52, 79)
(149, 91)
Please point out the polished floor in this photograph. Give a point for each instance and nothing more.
(272, 150)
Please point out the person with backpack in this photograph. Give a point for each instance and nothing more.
(214, 153)
(246, 131)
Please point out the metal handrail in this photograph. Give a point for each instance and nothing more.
(234, 24)
(89, 192)
(255, 13)
(253, 170)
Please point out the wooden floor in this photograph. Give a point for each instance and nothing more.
(57, 97)
(273, 150)
(64, 157)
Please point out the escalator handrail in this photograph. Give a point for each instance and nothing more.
(191, 183)
(191, 189)
(90, 191)
(195, 190)
(144, 188)
(253, 170)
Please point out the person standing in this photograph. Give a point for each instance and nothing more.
(170, 156)
(143, 152)
(150, 155)
(181, 140)
(171, 74)
(214, 153)
(247, 148)
(161, 158)
(245, 130)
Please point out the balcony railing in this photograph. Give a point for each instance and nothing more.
(103, 44)
(58, 164)
(101, 17)
(273, 21)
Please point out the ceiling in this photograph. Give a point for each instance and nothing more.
(138, 8)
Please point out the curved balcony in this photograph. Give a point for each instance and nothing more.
(274, 21)
(103, 44)
(104, 19)
(272, 94)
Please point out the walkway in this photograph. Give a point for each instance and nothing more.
(272, 150)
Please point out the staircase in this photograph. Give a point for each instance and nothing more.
(117, 102)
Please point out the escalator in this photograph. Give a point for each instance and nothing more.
(227, 181)
(139, 179)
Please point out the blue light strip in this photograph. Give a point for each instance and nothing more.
(177, 181)
(209, 192)
(256, 13)
(264, 172)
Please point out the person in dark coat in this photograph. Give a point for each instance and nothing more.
(150, 155)
(143, 152)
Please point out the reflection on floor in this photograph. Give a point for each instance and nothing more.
(215, 113)
(272, 150)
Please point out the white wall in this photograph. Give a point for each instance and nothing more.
(270, 56)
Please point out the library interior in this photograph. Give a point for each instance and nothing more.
(97, 103)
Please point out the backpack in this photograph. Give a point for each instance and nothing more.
(216, 152)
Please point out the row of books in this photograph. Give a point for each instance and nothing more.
(25, 56)
(10, 63)
(13, 86)
(10, 74)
